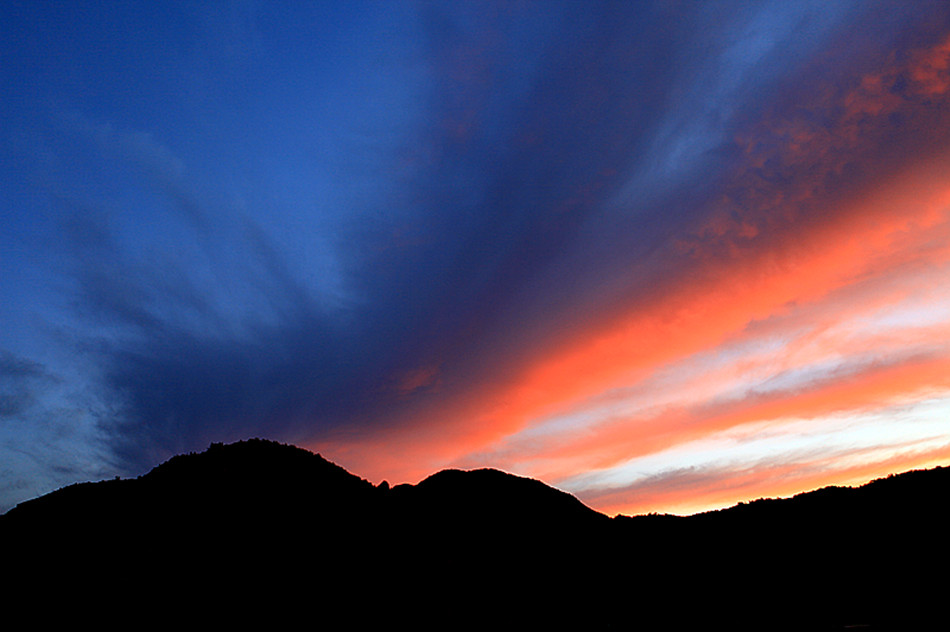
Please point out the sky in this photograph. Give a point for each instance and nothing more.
(666, 256)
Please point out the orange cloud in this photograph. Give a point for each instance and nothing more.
(701, 315)
(726, 295)
(876, 387)
(792, 239)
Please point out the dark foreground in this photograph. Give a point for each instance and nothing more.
(259, 533)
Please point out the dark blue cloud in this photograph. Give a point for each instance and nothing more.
(22, 383)
(516, 146)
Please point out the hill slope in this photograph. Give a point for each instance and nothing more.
(270, 524)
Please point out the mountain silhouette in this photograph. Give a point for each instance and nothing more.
(266, 532)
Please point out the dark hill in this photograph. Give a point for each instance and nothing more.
(486, 495)
(259, 529)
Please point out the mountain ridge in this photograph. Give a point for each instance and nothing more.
(312, 459)
(490, 544)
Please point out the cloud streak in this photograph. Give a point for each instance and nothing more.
(812, 244)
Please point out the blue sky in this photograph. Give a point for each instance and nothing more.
(382, 230)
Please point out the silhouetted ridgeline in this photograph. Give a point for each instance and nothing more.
(262, 531)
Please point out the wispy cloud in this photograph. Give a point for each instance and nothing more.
(809, 289)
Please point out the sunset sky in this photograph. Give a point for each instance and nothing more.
(666, 256)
